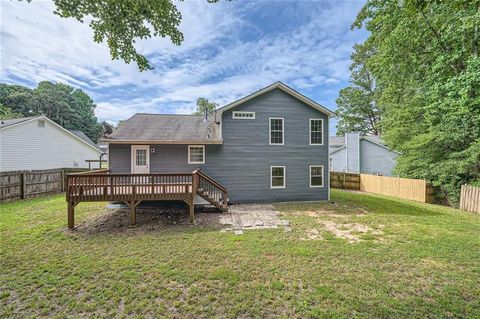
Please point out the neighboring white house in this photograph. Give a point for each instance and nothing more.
(361, 154)
(37, 142)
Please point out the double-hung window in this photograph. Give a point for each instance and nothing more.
(277, 176)
(276, 131)
(316, 132)
(196, 154)
(316, 176)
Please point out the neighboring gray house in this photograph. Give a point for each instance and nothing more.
(271, 145)
(37, 142)
(354, 153)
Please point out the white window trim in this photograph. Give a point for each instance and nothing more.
(284, 177)
(203, 147)
(270, 130)
(234, 113)
(323, 175)
(310, 131)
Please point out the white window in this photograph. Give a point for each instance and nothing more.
(316, 132)
(196, 154)
(276, 131)
(243, 115)
(316, 176)
(141, 157)
(277, 176)
(41, 123)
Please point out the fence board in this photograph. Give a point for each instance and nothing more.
(26, 184)
(470, 198)
(406, 188)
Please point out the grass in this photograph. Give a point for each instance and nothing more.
(415, 260)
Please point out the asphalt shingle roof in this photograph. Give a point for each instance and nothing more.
(167, 128)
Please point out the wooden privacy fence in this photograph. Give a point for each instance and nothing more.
(406, 188)
(27, 184)
(470, 198)
(345, 180)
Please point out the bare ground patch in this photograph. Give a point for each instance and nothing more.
(148, 220)
(349, 231)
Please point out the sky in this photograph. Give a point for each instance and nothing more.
(230, 50)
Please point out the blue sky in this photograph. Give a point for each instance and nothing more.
(231, 49)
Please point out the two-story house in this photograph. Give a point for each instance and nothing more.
(271, 145)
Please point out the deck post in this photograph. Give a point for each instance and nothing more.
(70, 215)
(133, 214)
(191, 211)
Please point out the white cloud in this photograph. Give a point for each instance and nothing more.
(217, 60)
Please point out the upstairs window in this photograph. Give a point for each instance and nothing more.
(277, 176)
(196, 154)
(276, 131)
(243, 115)
(316, 132)
(316, 176)
(41, 123)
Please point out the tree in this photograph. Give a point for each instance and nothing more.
(7, 113)
(121, 22)
(426, 61)
(357, 108)
(107, 128)
(204, 104)
(69, 107)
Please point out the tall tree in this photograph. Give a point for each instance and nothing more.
(426, 60)
(204, 104)
(69, 107)
(357, 107)
(121, 22)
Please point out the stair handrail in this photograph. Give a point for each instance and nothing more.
(210, 180)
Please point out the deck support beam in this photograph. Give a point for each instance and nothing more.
(191, 211)
(71, 214)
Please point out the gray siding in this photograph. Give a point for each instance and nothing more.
(353, 152)
(376, 159)
(242, 163)
(339, 161)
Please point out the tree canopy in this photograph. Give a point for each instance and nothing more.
(71, 108)
(204, 104)
(424, 59)
(121, 23)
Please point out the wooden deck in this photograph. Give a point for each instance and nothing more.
(134, 188)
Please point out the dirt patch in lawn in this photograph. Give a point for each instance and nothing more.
(148, 220)
(350, 231)
(312, 234)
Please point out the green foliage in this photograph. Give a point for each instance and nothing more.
(7, 113)
(426, 62)
(204, 104)
(69, 107)
(357, 107)
(107, 128)
(120, 23)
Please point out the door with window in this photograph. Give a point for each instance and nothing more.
(140, 159)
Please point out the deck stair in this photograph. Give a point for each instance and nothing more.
(132, 189)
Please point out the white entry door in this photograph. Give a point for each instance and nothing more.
(140, 159)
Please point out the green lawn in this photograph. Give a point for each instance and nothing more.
(364, 257)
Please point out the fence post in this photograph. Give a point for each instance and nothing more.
(24, 186)
(62, 172)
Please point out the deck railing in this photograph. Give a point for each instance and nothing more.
(132, 189)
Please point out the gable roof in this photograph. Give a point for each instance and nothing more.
(166, 129)
(7, 124)
(286, 89)
(85, 138)
(337, 143)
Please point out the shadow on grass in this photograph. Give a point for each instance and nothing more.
(384, 205)
(151, 217)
